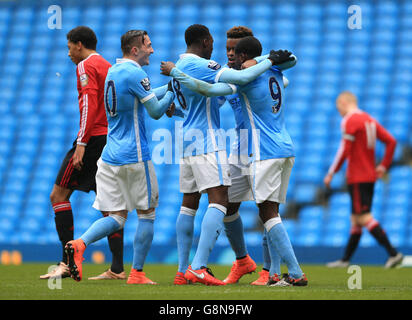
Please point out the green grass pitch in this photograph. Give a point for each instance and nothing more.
(23, 283)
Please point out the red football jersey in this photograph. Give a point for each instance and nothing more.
(360, 132)
(91, 75)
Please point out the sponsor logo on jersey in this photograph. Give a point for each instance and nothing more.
(145, 83)
(84, 80)
(214, 65)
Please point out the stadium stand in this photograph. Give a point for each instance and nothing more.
(40, 112)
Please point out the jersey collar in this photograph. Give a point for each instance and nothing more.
(90, 55)
(123, 60)
(184, 55)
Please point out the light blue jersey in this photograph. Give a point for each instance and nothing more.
(201, 114)
(127, 87)
(262, 106)
(235, 104)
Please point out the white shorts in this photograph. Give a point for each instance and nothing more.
(127, 187)
(270, 179)
(199, 173)
(241, 188)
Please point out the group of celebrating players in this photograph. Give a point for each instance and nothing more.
(111, 155)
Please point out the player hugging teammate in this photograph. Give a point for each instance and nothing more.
(254, 87)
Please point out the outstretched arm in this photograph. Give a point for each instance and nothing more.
(160, 91)
(245, 76)
(282, 66)
(156, 108)
(199, 86)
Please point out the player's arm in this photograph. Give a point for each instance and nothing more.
(89, 100)
(348, 137)
(282, 66)
(175, 111)
(243, 77)
(160, 91)
(139, 86)
(340, 157)
(199, 86)
(156, 108)
(390, 145)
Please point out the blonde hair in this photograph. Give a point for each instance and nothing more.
(348, 97)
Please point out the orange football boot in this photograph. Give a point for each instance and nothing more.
(263, 278)
(239, 269)
(204, 276)
(74, 250)
(138, 277)
(180, 279)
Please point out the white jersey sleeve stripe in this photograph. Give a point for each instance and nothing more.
(255, 133)
(219, 74)
(137, 130)
(337, 158)
(83, 121)
(147, 98)
(348, 137)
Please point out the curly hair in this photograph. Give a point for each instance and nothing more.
(239, 32)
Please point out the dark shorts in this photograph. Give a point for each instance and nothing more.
(361, 195)
(85, 179)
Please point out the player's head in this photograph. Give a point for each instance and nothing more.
(136, 45)
(233, 37)
(80, 41)
(247, 48)
(199, 39)
(346, 102)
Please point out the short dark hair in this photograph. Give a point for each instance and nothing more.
(83, 34)
(249, 46)
(131, 39)
(239, 32)
(196, 33)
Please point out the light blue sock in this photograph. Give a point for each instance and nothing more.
(271, 259)
(142, 242)
(279, 243)
(184, 237)
(101, 228)
(212, 225)
(234, 232)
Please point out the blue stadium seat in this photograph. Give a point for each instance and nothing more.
(308, 239)
(304, 193)
(311, 213)
(334, 239)
(367, 240)
(253, 238)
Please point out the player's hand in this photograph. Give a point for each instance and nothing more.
(170, 86)
(171, 110)
(380, 171)
(280, 56)
(248, 64)
(78, 157)
(166, 67)
(327, 180)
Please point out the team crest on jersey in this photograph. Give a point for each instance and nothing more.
(145, 83)
(214, 65)
(84, 79)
